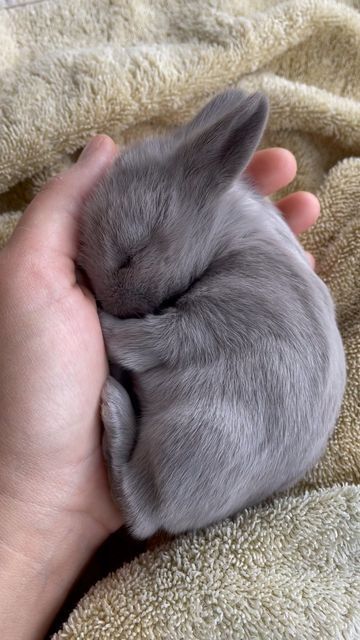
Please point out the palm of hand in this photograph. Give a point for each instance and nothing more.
(63, 466)
(53, 368)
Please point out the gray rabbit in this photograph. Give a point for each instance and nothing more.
(229, 336)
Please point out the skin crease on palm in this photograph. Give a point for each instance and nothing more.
(55, 507)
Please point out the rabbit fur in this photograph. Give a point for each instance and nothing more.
(210, 305)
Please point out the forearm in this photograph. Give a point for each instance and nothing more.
(38, 566)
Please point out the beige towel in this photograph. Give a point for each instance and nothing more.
(129, 67)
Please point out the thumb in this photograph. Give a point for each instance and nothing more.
(50, 222)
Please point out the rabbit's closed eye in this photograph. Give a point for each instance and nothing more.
(126, 263)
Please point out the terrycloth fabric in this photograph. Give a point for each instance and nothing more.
(274, 573)
(130, 67)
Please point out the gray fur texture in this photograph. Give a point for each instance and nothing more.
(229, 336)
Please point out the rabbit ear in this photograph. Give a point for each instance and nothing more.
(212, 155)
(217, 108)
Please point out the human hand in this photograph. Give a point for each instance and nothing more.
(273, 169)
(55, 506)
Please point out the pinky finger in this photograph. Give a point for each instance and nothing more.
(311, 259)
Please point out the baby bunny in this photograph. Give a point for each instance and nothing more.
(209, 303)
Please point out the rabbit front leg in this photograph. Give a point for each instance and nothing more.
(129, 343)
(172, 339)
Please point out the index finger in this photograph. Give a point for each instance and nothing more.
(272, 169)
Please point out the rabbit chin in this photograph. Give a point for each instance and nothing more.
(128, 305)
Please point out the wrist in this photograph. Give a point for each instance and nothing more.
(41, 555)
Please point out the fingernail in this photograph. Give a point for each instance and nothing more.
(91, 147)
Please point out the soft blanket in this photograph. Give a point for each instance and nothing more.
(69, 69)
